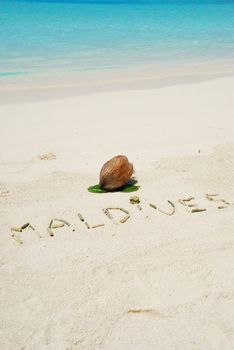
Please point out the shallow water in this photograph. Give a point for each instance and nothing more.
(54, 37)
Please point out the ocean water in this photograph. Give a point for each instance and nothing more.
(71, 37)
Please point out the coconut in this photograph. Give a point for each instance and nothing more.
(115, 173)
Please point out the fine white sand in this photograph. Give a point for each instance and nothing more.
(155, 282)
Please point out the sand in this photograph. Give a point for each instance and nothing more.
(155, 282)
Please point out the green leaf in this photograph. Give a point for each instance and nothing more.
(125, 189)
(96, 189)
(130, 188)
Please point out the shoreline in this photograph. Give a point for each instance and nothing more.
(39, 88)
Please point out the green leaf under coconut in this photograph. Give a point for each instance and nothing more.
(130, 188)
(126, 189)
(96, 189)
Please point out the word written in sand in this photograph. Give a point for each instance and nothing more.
(188, 203)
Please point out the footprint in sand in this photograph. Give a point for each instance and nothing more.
(47, 156)
(4, 192)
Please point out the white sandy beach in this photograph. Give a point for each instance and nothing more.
(155, 282)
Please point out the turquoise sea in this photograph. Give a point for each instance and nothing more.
(54, 37)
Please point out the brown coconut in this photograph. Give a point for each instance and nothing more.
(115, 173)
